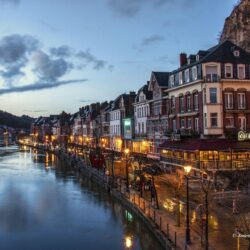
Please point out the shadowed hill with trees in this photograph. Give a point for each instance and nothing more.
(13, 121)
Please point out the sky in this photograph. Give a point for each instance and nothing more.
(63, 54)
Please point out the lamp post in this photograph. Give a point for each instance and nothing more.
(126, 151)
(205, 184)
(187, 171)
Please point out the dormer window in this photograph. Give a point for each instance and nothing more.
(236, 53)
(228, 70)
(187, 78)
(241, 71)
(172, 81)
(194, 73)
(180, 78)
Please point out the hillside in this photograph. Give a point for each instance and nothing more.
(13, 121)
(237, 26)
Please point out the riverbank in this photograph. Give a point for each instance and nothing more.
(161, 225)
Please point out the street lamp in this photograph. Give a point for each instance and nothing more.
(187, 172)
(126, 151)
(205, 184)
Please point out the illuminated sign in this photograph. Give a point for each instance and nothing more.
(127, 128)
(243, 136)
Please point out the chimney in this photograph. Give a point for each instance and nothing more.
(183, 59)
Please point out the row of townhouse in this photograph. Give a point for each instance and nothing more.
(179, 116)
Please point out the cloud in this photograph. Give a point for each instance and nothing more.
(89, 58)
(49, 69)
(39, 86)
(151, 40)
(10, 1)
(14, 52)
(61, 51)
(85, 101)
(130, 8)
(35, 111)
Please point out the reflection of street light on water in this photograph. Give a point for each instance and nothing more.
(128, 242)
(187, 172)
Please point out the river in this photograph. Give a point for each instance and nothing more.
(45, 205)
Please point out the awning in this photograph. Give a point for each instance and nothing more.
(205, 145)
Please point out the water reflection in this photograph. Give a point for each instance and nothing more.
(45, 205)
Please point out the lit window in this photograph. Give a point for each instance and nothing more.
(189, 123)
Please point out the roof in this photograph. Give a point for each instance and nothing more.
(205, 145)
(144, 89)
(161, 78)
(223, 52)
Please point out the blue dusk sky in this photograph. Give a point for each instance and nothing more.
(63, 54)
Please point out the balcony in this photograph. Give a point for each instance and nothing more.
(212, 78)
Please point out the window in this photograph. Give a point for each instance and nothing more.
(188, 103)
(241, 71)
(172, 80)
(204, 96)
(213, 95)
(205, 120)
(214, 120)
(236, 53)
(211, 74)
(196, 102)
(241, 100)
(242, 122)
(157, 108)
(229, 122)
(182, 104)
(139, 128)
(187, 78)
(196, 124)
(194, 73)
(174, 125)
(180, 78)
(228, 100)
(142, 128)
(182, 123)
(189, 125)
(229, 71)
(172, 104)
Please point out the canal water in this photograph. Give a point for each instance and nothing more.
(45, 205)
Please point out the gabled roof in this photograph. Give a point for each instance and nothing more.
(161, 78)
(144, 89)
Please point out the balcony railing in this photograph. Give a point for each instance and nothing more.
(212, 78)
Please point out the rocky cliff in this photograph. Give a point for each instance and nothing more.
(237, 26)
